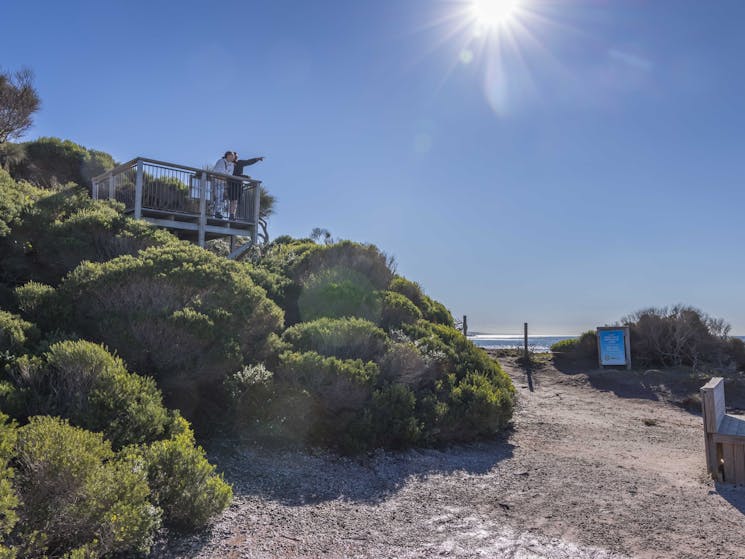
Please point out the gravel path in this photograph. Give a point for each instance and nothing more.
(585, 474)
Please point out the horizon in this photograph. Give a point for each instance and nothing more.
(564, 164)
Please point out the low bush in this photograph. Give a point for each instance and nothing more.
(389, 421)
(345, 338)
(337, 391)
(584, 347)
(8, 498)
(38, 303)
(51, 161)
(183, 483)
(76, 494)
(678, 335)
(178, 312)
(338, 292)
(397, 310)
(404, 364)
(431, 310)
(81, 381)
(477, 407)
(16, 335)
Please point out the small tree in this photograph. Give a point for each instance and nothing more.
(18, 101)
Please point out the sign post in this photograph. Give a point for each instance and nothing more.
(614, 346)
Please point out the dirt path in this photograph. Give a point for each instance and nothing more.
(585, 474)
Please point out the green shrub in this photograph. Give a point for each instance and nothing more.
(345, 338)
(183, 483)
(16, 334)
(250, 394)
(454, 350)
(8, 497)
(365, 260)
(16, 198)
(38, 303)
(178, 312)
(397, 310)
(81, 381)
(338, 292)
(51, 161)
(403, 363)
(477, 407)
(337, 390)
(76, 493)
(584, 347)
(431, 310)
(389, 421)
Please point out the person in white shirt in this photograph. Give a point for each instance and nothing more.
(224, 165)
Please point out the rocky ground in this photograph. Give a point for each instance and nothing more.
(596, 467)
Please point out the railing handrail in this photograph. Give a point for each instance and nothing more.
(130, 164)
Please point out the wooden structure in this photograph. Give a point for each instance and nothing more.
(626, 341)
(193, 203)
(724, 435)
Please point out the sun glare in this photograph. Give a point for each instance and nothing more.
(494, 13)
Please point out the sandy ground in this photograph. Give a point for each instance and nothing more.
(586, 473)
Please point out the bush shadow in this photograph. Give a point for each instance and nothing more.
(679, 385)
(297, 477)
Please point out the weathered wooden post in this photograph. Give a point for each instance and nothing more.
(465, 325)
(526, 341)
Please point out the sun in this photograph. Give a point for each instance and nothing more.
(494, 13)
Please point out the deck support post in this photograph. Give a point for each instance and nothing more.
(111, 187)
(138, 190)
(202, 209)
(256, 210)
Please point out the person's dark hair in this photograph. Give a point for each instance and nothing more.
(228, 153)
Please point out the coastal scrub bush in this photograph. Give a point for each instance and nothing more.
(431, 310)
(76, 493)
(16, 334)
(404, 364)
(345, 338)
(64, 227)
(15, 199)
(338, 292)
(388, 421)
(52, 161)
(84, 383)
(177, 312)
(183, 483)
(337, 389)
(397, 309)
(477, 407)
(8, 497)
(38, 303)
(678, 335)
(584, 347)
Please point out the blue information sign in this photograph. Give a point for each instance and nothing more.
(612, 347)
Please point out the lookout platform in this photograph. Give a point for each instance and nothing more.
(192, 202)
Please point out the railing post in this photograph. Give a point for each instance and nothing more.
(257, 209)
(138, 190)
(94, 190)
(202, 209)
(111, 186)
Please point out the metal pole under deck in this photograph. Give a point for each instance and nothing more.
(257, 209)
(138, 190)
(202, 209)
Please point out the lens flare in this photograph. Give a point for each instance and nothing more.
(494, 13)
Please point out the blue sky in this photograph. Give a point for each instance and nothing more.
(580, 162)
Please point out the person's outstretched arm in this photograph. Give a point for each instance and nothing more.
(247, 162)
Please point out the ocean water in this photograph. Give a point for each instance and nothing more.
(535, 343)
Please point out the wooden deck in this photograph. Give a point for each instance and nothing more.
(193, 203)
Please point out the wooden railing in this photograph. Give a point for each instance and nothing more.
(148, 186)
